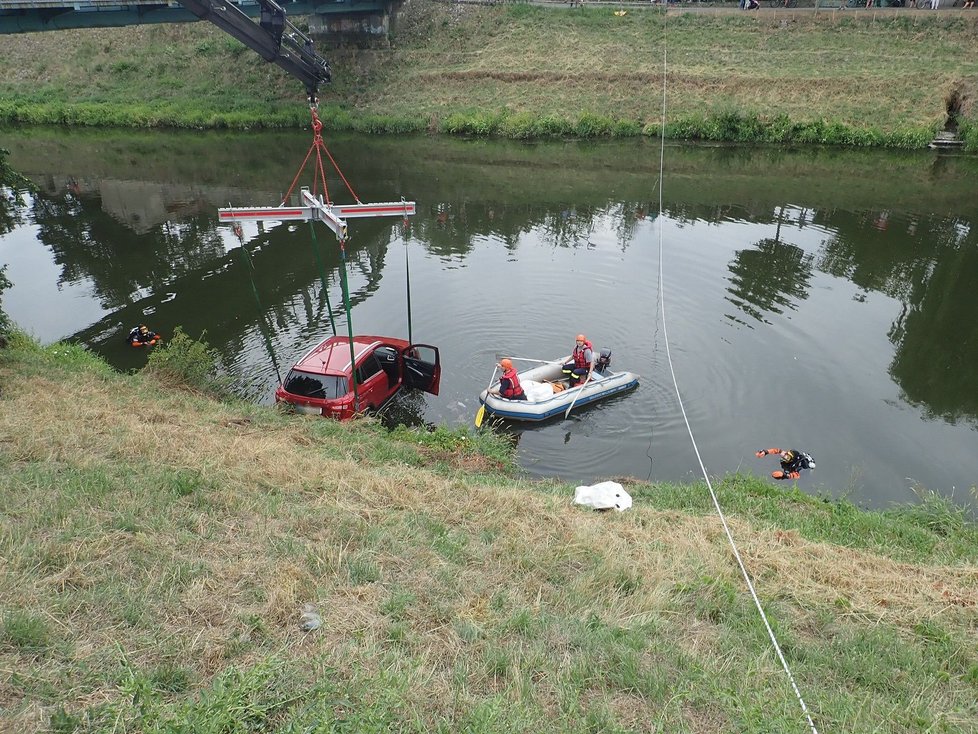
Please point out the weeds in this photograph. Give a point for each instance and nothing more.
(25, 632)
(933, 531)
(188, 363)
(5, 323)
(935, 513)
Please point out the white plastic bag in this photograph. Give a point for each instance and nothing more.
(603, 496)
(537, 391)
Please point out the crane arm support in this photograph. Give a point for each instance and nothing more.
(274, 38)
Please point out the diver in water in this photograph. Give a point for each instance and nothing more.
(792, 462)
(141, 336)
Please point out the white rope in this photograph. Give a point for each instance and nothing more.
(665, 336)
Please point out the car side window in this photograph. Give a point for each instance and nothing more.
(369, 368)
(386, 354)
(390, 363)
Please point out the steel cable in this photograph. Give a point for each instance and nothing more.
(682, 408)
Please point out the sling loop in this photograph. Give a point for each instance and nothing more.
(319, 175)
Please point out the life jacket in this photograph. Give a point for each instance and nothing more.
(579, 359)
(514, 390)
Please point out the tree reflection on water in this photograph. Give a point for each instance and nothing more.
(163, 252)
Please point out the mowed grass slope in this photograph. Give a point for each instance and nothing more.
(159, 548)
(836, 66)
(862, 78)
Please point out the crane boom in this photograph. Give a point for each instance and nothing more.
(274, 38)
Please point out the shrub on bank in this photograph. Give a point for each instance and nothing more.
(590, 125)
(479, 123)
(553, 126)
(523, 126)
(626, 129)
(724, 126)
(731, 126)
(4, 319)
(968, 131)
(189, 363)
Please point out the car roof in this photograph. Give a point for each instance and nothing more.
(332, 357)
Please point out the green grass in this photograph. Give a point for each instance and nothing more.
(156, 567)
(520, 71)
(25, 632)
(934, 531)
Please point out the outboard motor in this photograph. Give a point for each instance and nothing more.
(603, 361)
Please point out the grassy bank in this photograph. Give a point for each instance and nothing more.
(159, 547)
(850, 78)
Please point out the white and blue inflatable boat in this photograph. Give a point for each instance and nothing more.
(544, 402)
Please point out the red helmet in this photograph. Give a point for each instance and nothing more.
(506, 364)
(581, 338)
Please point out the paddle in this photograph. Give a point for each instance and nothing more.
(538, 361)
(580, 390)
(481, 414)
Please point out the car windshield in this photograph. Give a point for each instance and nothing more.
(309, 385)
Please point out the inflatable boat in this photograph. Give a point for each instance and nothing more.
(549, 396)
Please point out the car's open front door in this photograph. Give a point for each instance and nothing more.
(422, 368)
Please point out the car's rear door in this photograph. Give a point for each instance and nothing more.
(371, 382)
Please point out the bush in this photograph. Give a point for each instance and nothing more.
(553, 126)
(4, 319)
(590, 125)
(479, 123)
(812, 132)
(521, 126)
(968, 131)
(779, 130)
(188, 363)
(626, 129)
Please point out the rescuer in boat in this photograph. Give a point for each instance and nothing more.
(141, 336)
(792, 462)
(582, 362)
(509, 383)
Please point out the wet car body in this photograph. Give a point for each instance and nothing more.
(321, 382)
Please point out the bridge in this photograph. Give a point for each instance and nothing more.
(28, 16)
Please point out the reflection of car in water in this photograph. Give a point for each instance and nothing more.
(321, 382)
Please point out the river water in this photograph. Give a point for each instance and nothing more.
(823, 300)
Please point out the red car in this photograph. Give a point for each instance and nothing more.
(321, 382)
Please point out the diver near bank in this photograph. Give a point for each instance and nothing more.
(141, 336)
(792, 462)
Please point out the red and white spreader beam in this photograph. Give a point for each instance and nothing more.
(315, 209)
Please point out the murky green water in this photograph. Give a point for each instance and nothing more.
(820, 300)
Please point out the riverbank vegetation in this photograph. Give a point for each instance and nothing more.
(873, 78)
(161, 548)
